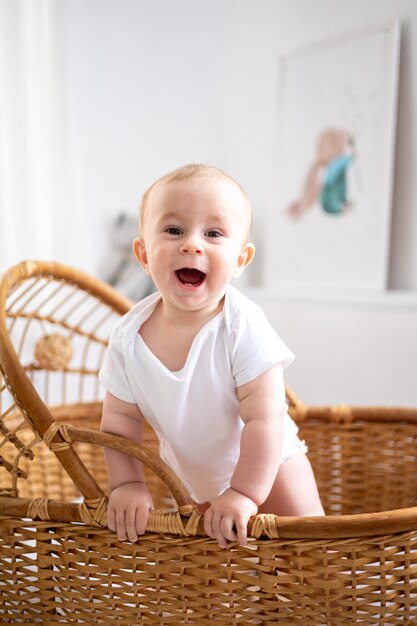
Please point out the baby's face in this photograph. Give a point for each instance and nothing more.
(194, 240)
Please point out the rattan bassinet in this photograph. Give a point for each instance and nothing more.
(59, 564)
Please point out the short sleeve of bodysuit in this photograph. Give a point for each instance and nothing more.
(113, 371)
(255, 344)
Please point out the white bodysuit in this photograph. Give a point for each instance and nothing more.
(195, 411)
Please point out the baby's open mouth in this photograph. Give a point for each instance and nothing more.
(190, 276)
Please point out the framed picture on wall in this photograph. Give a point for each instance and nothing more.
(330, 210)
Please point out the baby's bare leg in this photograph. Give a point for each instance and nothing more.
(294, 491)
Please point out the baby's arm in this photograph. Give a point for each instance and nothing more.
(129, 500)
(262, 408)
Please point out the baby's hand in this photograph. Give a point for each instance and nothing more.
(128, 510)
(227, 518)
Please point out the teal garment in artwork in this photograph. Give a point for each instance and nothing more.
(333, 196)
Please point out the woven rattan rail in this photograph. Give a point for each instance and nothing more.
(59, 564)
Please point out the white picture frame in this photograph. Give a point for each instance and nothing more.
(330, 210)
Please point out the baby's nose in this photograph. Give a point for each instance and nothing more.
(192, 245)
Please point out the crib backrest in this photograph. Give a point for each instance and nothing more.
(55, 323)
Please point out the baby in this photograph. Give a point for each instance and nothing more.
(199, 361)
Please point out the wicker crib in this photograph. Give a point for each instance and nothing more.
(59, 564)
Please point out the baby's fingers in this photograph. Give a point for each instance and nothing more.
(131, 531)
(227, 527)
(141, 520)
(212, 522)
(208, 523)
(121, 525)
(111, 518)
(135, 523)
(241, 526)
(117, 522)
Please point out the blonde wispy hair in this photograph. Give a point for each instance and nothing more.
(188, 172)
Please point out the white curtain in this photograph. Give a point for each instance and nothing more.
(42, 211)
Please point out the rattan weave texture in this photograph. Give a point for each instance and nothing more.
(59, 564)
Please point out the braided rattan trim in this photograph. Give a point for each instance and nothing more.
(165, 522)
(51, 431)
(94, 512)
(38, 508)
(264, 525)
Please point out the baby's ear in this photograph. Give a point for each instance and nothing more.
(140, 253)
(245, 257)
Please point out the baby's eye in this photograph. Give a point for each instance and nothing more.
(214, 233)
(174, 230)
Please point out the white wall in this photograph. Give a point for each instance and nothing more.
(157, 84)
(149, 85)
(355, 350)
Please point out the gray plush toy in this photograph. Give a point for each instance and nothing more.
(120, 268)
